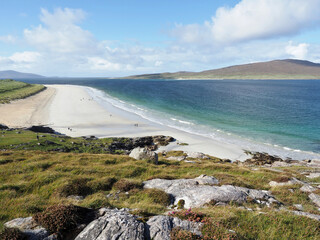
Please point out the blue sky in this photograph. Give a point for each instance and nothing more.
(122, 37)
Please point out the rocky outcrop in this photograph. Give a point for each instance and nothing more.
(144, 154)
(21, 223)
(159, 227)
(2, 127)
(307, 188)
(315, 198)
(113, 224)
(29, 227)
(258, 158)
(286, 183)
(305, 214)
(152, 142)
(41, 129)
(201, 190)
(197, 155)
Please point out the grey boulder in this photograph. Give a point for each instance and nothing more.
(114, 224)
(144, 154)
(159, 227)
(199, 191)
(29, 227)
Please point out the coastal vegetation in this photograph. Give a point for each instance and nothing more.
(11, 90)
(36, 178)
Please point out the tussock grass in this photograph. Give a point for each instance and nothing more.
(32, 180)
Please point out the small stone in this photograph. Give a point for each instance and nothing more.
(75, 197)
(298, 207)
(315, 198)
(313, 175)
(307, 188)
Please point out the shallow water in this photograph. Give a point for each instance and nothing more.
(277, 114)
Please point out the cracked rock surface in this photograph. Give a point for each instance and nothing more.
(114, 224)
(201, 190)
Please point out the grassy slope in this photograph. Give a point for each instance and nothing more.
(11, 90)
(278, 69)
(30, 180)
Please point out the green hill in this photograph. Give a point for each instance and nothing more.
(277, 69)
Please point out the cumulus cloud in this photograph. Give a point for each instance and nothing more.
(60, 33)
(20, 60)
(299, 51)
(251, 20)
(63, 48)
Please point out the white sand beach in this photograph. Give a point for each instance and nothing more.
(72, 111)
(26, 112)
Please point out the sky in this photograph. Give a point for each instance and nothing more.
(112, 38)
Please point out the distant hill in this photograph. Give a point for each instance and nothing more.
(16, 75)
(277, 69)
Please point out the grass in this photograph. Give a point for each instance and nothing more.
(34, 179)
(11, 90)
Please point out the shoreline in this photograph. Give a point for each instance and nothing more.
(84, 111)
(86, 117)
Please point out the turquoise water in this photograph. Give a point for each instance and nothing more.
(281, 113)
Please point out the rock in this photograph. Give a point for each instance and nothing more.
(114, 224)
(41, 129)
(313, 175)
(198, 155)
(305, 214)
(75, 197)
(37, 234)
(144, 154)
(298, 206)
(3, 127)
(307, 188)
(159, 227)
(52, 237)
(206, 180)
(197, 192)
(290, 182)
(162, 140)
(261, 159)
(280, 164)
(29, 227)
(21, 223)
(315, 198)
(178, 158)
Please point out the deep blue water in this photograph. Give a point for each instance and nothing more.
(277, 112)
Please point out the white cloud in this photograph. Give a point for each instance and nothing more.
(20, 60)
(64, 48)
(25, 57)
(60, 33)
(299, 51)
(98, 63)
(7, 39)
(253, 19)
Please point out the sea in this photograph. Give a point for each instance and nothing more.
(281, 117)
